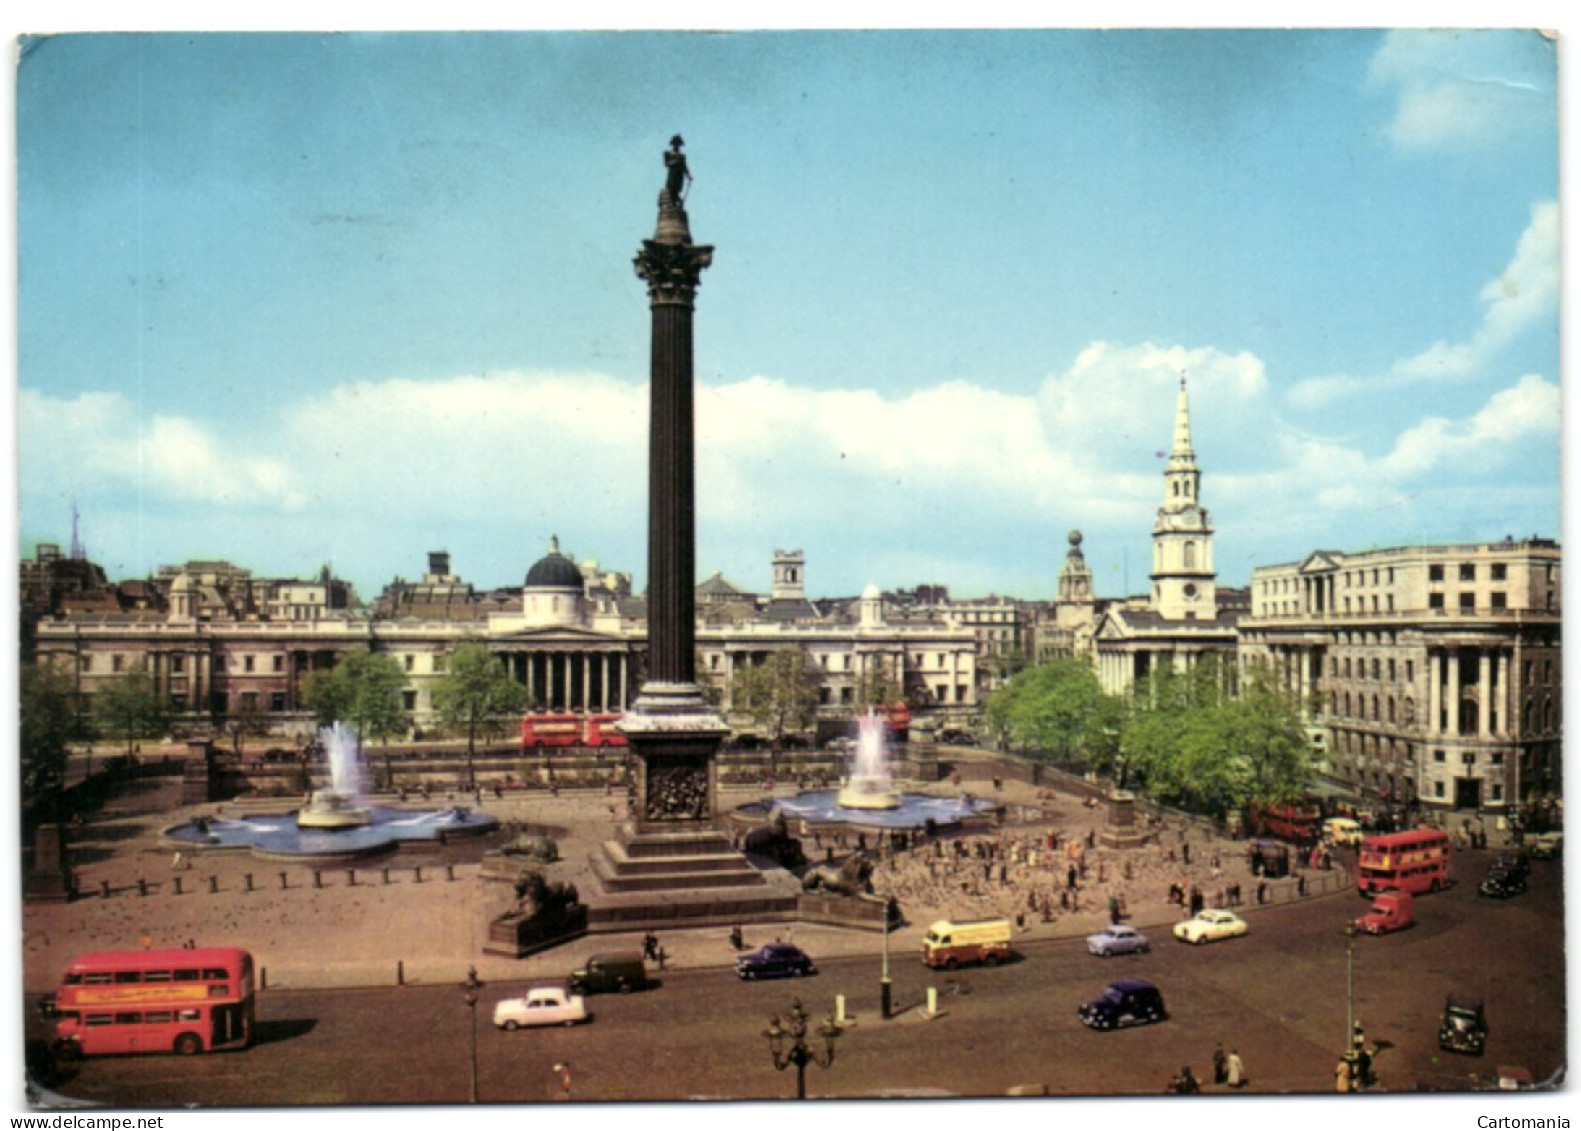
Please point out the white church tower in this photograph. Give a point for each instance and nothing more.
(1183, 576)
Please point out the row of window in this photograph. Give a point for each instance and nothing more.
(1467, 571)
(146, 977)
(146, 1017)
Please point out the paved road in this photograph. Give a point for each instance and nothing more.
(1279, 995)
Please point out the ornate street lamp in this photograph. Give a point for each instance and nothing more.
(788, 1044)
(469, 995)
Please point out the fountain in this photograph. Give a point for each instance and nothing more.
(337, 823)
(870, 785)
(869, 800)
(336, 807)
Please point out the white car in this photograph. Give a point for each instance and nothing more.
(548, 1005)
(1208, 925)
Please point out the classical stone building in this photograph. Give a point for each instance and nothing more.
(1434, 670)
(218, 641)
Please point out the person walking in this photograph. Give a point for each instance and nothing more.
(1342, 1077)
(1235, 1070)
(1220, 1064)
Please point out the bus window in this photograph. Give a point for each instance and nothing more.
(122, 977)
(156, 976)
(186, 975)
(188, 1014)
(94, 1020)
(128, 1018)
(212, 974)
(102, 979)
(157, 1017)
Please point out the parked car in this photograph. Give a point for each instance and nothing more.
(1464, 1027)
(1516, 863)
(1117, 939)
(776, 960)
(1546, 846)
(1209, 925)
(1129, 1001)
(1502, 883)
(547, 1005)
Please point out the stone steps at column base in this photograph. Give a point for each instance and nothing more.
(616, 874)
(726, 907)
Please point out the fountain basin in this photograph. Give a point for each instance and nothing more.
(821, 809)
(329, 809)
(282, 837)
(868, 791)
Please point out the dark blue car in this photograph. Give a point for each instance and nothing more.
(777, 960)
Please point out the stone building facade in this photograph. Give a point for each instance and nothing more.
(1435, 671)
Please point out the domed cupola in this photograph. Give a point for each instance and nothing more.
(553, 591)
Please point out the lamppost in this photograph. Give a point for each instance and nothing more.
(891, 912)
(1350, 1005)
(788, 1044)
(469, 994)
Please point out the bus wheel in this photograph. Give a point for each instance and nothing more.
(188, 1044)
(67, 1051)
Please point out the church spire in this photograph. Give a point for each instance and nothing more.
(1181, 456)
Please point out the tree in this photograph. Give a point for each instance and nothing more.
(1059, 708)
(780, 694)
(477, 695)
(362, 690)
(1196, 744)
(877, 686)
(51, 721)
(247, 721)
(131, 708)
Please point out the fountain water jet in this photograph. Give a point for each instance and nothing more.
(336, 807)
(870, 785)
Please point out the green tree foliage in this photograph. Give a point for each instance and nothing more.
(130, 708)
(51, 721)
(476, 695)
(781, 694)
(1060, 709)
(363, 690)
(876, 686)
(1195, 744)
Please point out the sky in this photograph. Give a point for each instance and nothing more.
(297, 299)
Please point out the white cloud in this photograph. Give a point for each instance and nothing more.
(1519, 297)
(1464, 89)
(1528, 410)
(94, 442)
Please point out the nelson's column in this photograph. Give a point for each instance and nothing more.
(669, 851)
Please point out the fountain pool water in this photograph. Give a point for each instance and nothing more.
(282, 836)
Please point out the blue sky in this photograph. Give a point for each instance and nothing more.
(295, 299)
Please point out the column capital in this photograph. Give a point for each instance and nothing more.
(672, 270)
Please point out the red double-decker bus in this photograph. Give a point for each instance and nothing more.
(1414, 861)
(1297, 821)
(129, 1001)
(550, 730)
(603, 731)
